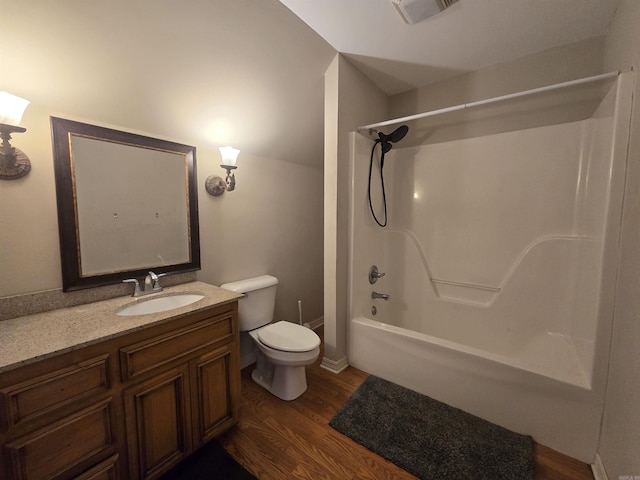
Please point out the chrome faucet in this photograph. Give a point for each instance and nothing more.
(151, 284)
(383, 296)
(136, 291)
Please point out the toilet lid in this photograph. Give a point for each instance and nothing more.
(288, 337)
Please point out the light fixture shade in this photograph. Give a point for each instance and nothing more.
(11, 108)
(229, 156)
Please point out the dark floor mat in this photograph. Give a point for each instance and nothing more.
(430, 439)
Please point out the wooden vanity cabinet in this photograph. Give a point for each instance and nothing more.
(58, 417)
(127, 408)
(185, 387)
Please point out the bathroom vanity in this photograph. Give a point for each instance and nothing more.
(87, 394)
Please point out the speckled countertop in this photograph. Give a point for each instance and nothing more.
(36, 337)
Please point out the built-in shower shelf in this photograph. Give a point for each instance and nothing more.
(466, 285)
(463, 292)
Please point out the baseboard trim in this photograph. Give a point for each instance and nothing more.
(333, 366)
(313, 324)
(599, 473)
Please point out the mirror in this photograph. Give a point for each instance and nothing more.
(127, 204)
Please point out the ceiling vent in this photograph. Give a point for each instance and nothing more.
(414, 11)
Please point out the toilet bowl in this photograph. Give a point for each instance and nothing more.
(283, 349)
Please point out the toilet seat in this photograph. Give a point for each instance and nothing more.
(288, 337)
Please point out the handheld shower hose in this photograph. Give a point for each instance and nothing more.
(385, 142)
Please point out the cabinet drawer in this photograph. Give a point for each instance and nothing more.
(146, 355)
(107, 470)
(45, 393)
(63, 445)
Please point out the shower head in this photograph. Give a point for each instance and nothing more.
(395, 136)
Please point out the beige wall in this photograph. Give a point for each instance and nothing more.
(242, 72)
(271, 223)
(551, 66)
(620, 437)
(30, 255)
(351, 100)
(332, 354)
(260, 92)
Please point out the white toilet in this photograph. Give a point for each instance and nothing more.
(283, 349)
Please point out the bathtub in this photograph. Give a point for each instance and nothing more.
(500, 261)
(554, 413)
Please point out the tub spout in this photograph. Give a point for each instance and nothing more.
(383, 296)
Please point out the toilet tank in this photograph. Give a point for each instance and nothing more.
(256, 308)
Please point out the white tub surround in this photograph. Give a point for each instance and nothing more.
(500, 259)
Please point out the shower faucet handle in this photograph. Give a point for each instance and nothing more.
(374, 274)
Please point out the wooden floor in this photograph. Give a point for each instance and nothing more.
(292, 440)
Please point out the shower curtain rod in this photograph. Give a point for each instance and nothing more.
(464, 106)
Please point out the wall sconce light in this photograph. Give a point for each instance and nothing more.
(215, 185)
(13, 162)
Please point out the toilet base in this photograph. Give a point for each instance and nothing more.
(286, 382)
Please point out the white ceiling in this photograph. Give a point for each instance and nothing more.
(470, 35)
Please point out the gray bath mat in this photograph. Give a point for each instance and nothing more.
(430, 439)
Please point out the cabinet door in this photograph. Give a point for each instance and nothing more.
(158, 423)
(215, 387)
(61, 447)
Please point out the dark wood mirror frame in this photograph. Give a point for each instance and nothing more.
(72, 278)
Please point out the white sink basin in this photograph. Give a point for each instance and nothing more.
(160, 304)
